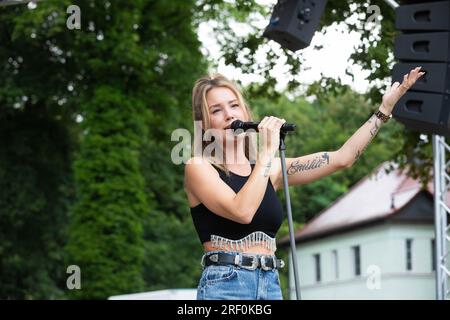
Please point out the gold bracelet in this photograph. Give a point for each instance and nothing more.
(380, 115)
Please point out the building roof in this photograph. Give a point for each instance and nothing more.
(378, 196)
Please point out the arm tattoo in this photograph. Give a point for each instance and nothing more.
(375, 129)
(318, 162)
(267, 169)
(373, 132)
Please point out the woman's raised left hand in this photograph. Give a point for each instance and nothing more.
(397, 90)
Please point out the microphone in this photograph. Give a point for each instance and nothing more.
(238, 124)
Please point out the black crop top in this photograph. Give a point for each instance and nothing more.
(267, 218)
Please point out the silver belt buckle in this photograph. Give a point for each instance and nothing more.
(254, 262)
(263, 263)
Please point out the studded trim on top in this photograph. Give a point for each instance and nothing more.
(257, 238)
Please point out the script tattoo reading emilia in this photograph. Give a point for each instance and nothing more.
(318, 162)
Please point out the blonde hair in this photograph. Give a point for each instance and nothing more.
(200, 111)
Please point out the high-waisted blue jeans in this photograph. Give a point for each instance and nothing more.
(228, 282)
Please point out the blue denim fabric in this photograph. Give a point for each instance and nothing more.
(228, 282)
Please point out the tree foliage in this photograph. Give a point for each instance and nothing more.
(123, 81)
(35, 179)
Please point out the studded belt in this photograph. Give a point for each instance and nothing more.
(246, 261)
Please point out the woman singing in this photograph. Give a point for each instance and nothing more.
(232, 191)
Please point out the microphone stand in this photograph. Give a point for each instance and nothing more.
(289, 212)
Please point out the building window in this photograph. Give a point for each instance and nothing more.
(317, 266)
(408, 254)
(336, 264)
(433, 255)
(357, 260)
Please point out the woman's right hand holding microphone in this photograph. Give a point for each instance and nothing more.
(269, 138)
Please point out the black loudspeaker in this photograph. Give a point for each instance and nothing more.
(432, 16)
(425, 42)
(294, 22)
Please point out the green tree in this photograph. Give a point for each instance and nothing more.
(38, 140)
(105, 238)
(124, 79)
(156, 44)
(35, 180)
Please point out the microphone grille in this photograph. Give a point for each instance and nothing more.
(236, 124)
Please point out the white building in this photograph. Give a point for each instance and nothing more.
(375, 242)
(168, 294)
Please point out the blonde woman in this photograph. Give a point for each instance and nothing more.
(232, 196)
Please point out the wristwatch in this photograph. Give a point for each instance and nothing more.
(380, 115)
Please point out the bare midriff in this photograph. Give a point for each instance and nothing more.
(254, 249)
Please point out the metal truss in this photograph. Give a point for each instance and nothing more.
(441, 212)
